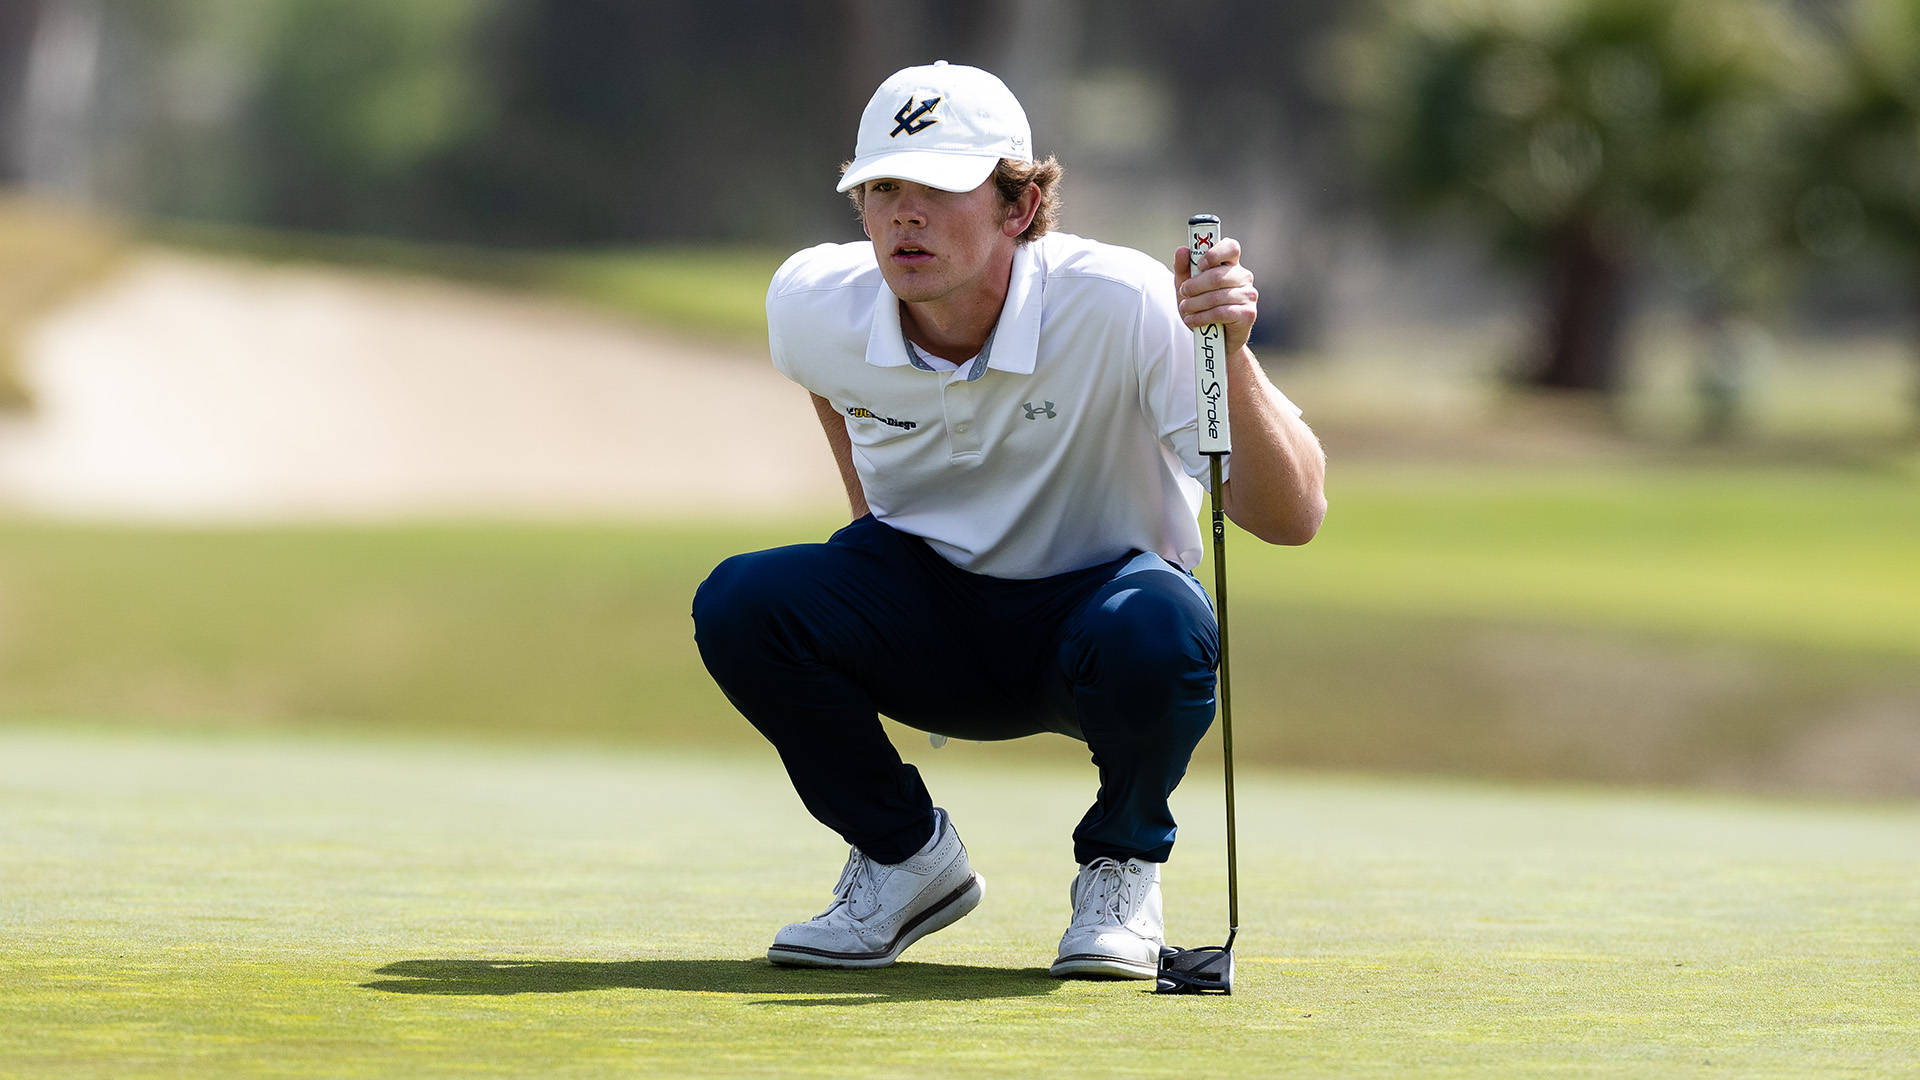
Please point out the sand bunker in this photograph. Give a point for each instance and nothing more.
(195, 388)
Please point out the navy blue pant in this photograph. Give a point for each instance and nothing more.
(811, 641)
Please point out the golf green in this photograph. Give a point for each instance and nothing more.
(293, 906)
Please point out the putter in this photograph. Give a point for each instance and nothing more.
(1209, 969)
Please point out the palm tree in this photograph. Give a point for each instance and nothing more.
(1585, 140)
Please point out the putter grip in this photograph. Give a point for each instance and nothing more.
(1209, 349)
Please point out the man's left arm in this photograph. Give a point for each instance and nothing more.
(1278, 489)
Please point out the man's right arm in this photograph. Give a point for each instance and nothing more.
(836, 429)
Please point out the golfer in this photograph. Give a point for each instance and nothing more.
(1013, 413)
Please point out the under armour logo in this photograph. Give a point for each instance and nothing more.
(908, 118)
(1035, 412)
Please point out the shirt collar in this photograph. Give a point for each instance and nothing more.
(1014, 344)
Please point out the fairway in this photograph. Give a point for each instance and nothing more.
(1631, 625)
(279, 905)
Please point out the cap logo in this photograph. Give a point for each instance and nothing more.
(908, 119)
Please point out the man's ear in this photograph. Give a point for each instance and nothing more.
(1020, 212)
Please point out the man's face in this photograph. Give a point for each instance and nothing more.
(933, 244)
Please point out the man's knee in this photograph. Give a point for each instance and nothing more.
(1153, 623)
(1149, 649)
(735, 605)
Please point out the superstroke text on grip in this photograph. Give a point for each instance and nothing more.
(1209, 349)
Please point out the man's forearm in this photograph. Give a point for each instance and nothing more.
(1279, 471)
(836, 429)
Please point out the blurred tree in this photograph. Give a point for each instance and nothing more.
(354, 99)
(1859, 191)
(539, 122)
(18, 21)
(615, 120)
(1584, 139)
(1273, 146)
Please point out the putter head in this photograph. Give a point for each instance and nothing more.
(1206, 970)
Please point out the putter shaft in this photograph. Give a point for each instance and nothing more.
(1226, 697)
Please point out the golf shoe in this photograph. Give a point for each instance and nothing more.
(1117, 927)
(878, 910)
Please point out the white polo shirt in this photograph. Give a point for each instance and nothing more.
(1068, 442)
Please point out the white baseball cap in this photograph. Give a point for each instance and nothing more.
(943, 125)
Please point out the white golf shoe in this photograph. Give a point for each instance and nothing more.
(879, 910)
(1117, 927)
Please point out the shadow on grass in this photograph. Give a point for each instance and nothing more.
(900, 982)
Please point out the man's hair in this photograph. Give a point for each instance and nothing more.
(1011, 177)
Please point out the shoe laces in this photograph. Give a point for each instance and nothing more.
(857, 882)
(1106, 893)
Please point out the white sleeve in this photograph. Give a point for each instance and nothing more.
(777, 328)
(1166, 374)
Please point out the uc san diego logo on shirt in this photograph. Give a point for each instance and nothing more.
(860, 413)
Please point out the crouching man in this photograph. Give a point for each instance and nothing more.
(1013, 413)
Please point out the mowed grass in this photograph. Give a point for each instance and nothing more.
(287, 906)
(716, 293)
(1644, 624)
(1813, 558)
(712, 292)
